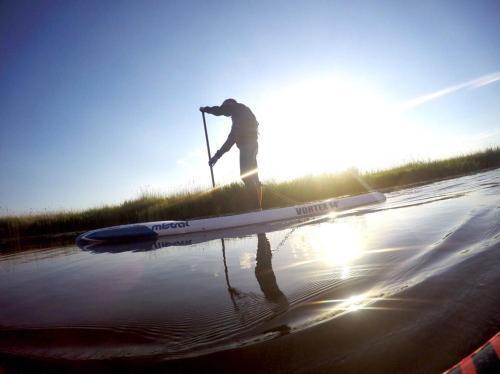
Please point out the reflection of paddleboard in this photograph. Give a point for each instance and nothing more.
(167, 228)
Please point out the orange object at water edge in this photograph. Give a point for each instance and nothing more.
(485, 359)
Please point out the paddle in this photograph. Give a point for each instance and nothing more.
(208, 148)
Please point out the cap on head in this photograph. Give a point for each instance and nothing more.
(229, 102)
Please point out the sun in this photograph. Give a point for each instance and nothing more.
(320, 125)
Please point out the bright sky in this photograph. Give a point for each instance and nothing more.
(99, 100)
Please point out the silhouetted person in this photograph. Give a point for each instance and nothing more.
(244, 134)
(265, 274)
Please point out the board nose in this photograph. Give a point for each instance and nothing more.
(118, 233)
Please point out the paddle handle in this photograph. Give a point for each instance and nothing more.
(208, 148)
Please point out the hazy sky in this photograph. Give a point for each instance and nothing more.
(99, 99)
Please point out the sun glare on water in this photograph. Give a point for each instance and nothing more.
(339, 244)
(336, 246)
(324, 125)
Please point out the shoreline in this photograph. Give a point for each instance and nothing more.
(62, 227)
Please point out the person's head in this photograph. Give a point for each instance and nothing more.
(227, 105)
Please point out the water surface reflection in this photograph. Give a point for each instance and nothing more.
(335, 293)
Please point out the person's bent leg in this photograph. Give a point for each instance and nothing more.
(249, 175)
(259, 195)
(254, 191)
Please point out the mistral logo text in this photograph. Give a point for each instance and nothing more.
(170, 225)
(316, 208)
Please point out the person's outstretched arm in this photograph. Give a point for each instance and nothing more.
(215, 110)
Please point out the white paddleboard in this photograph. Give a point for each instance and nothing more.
(167, 228)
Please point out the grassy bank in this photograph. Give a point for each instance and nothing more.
(231, 198)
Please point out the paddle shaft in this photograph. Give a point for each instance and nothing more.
(208, 148)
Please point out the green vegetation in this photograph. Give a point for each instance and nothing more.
(232, 198)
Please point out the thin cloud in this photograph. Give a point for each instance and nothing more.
(472, 84)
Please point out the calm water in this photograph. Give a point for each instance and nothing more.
(409, 285)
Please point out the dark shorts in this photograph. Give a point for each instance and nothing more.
(248, 164)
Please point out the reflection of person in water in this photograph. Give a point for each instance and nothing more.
(265, 274)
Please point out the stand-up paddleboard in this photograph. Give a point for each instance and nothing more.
(151, 244)
(167, 228)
